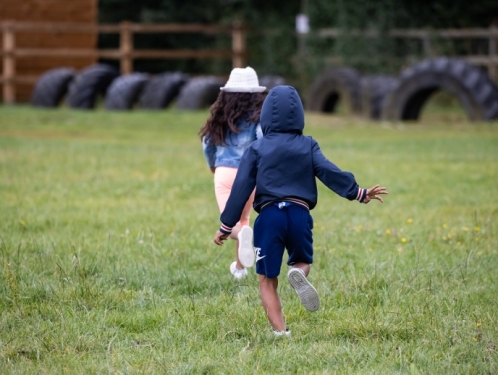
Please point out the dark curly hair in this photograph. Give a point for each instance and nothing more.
(228, 108)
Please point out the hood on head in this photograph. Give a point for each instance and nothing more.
(282, 111)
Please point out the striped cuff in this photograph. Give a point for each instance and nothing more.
(362, 193)
(225, 229)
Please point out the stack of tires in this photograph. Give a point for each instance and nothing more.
(83, 90)
(402, 98)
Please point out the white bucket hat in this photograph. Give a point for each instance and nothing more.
(243, 80)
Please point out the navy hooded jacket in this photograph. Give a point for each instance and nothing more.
(284, 163)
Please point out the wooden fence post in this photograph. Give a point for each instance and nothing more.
(126, 47)
(238, 45)
(493, 34)
(9, 69)
(426, 45)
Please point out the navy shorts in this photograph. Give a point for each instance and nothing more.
(281, 226)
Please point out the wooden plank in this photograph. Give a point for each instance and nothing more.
(126, 48)
(66, 52)
(9, 70)
(28, 65)
(411, 33)
(106, 28)
(75, 11)
(181, 54)
(238, 45)
(29, 79)
(116, 54)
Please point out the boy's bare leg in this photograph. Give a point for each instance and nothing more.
(271, 302)
(304, 266)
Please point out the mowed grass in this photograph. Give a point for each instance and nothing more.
(108, 265)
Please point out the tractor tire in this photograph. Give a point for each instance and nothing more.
(124, 91)
(199, 92)
(334, 85)
(51, 87)
(161, 90)
(90, 83)
(374, 91)
(468, 83)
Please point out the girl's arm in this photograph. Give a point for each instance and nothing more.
(243, 186)
(209, 153)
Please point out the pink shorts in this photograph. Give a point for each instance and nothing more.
(223, 181)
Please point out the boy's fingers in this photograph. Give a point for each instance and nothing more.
(380, 190)
(379, 198)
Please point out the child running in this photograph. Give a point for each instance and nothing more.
(282, 166)
(232, 126)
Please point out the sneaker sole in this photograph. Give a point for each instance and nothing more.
(306, 292)
(246, 250)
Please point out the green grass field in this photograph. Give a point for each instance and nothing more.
(108, 265)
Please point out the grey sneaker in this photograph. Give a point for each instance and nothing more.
(307, 294)
(246, 250)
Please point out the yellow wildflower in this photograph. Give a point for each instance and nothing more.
(403, 240)
(409, 221)
(477, 229)
(445, 226)
(478, 324)
(388, 231)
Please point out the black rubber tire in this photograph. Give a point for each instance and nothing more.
(161, 90)
(124, 91)
(468, 83)
(270, 81)
(332, 85)
(88, 84)
(374, 91)
(199, 92)
(51, 87)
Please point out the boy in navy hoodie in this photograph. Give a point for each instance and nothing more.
(283, 167)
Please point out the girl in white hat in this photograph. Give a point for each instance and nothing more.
(232, 126)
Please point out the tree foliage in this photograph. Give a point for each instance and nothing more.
(272, 42)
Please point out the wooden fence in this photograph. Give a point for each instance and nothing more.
(126, 52)
(427, 37)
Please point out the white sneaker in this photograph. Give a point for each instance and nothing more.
(246, 250)
(238, 274)
(307, 294)
(281, 333)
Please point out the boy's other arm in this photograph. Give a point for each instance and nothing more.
(340, 182)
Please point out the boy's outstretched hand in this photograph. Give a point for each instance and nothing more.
(374, 192)
(219, 237)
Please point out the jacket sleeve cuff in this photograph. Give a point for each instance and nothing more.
(362, 193)
(225, 229)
